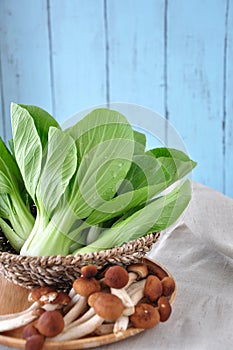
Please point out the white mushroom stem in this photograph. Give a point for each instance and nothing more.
(105, 328)
(136, 291)
(126, 300)
(121, 324)
(72, 302)
(20, 319)
(135, 286)
(16, 322)
(83, 318)
(76, 310)
(32, 307)
(82, 330)
(132, 278)
(72, 293)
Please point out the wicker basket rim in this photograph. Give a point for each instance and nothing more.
(77, 258)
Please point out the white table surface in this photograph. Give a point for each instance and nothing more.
(199, 254)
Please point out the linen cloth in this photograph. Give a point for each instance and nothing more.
(199, 254)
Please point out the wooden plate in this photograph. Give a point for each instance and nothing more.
(14, 299)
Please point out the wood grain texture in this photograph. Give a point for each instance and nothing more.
(136, 52)
(195, 88)
(15, 297)
(228, 103)
(78, 55)
(24, 55)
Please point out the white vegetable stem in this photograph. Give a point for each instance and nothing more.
(76, 310)
(82, 330)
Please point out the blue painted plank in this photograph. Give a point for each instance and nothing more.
(24, 55)
(2, 114)
(136, 52)
(195, 48)
(78, 55)
(229, 101)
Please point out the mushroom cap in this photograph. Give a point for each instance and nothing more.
(86, 286)
(168, 285)
(28, 331)
(153, 288)
(145, 316)
(116, 277)
(50, 323)
(61, 299)
(41, 292)
(89, 271)
(165, 308)
(157, 271)
(92, 298)
(140, 269)
(35, 342)
(108, 306)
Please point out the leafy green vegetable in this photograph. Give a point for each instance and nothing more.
(156, 216)
(13, 209)
(94, 185)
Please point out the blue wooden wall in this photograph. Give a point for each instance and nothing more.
(172, 56)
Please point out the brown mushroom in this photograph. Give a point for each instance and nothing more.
(46, 293)
(137, 271)
(157, 271)
(50, 323)
(108, 306)
(116, 277)
(35, 342)
(168, 285)
(165, 308)
(92, 298)
(28, 331)
(145, 316)
(84, 287)
(43, 298)
(89, 271)
(153, 288)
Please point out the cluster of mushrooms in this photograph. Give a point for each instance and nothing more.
(99, 303)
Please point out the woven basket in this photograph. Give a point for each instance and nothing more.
(60, 271)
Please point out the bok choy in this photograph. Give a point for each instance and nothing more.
(94, 185)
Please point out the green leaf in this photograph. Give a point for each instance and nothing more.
(15, 241)
(176, 163)
(60, 165)
(105, 144)
(27, 146)
(9, 166)
(43, 121)
(146, 178)
(140, 142)
(156, 216)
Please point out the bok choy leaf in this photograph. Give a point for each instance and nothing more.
(94, 185)
(16, 219)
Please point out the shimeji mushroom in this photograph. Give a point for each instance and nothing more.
(50, 323)
(137, 271)
(168, 285)
(135, 293)
(145, 316)
(106, 306)
(117, 278)
(153, 288)
(83, 287)
(164, 308)
(35, 342)
(42, 297)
